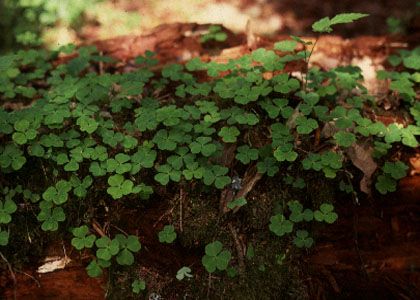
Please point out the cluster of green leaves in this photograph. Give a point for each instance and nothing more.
(216, 258)
(214, 33)
(168, 234)
(109, 137)
(280, 225)
(404, 82)
(324, 25)
(392, 171)
(121, 247)
(138, 285)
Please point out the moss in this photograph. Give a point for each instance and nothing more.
(262, 203)
(265, 277)
(200, 218)
(320, 190)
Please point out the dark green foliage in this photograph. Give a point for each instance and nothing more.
(109, 138)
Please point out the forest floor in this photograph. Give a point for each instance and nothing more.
(371, 253)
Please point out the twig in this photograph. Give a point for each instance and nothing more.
(167, 212)
(356, 242)
(181, 200)
(209, 286)
(119, 229)
(307, 63)
(12, 274)
(30, 276)
(239, 248)
(101, 65)
(97, 228)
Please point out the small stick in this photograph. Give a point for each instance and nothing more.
(209, 286)
(101, 64)
(120, 230)
(98, 229)
(181, 199)
(239, 248)
(167, 212)
(12, 274)
(30, 276)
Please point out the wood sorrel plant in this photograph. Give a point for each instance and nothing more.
(99, 137)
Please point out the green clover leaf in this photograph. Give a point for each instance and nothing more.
(97, 169)
(285, 153)
(81, 238)
(182, 156)
(167, 140)
(144, 158)
(193, 170)
(397, 170)
(87, 124)
(408, 135)
(11, 156)
(216, 174)
(173, 72)
(283, 84)
(7, 208)
(326, 214)
(120, 164)
(203, 145)
(305, 125)
(80, 187)
(106, 248)
(127, 245)
(50, 216)
(229, 134)
(344, 139)
(137, 286)
(245, 154)
(267, 58)
(302, 239)
(94, 269)
(24, 132)
(216, 258)
(58, 194)
(166, 173)
(393, 133)
(167, 234)
(279, 225)
(298, 214)
(385, 184)
(269, 166)
(119, 186)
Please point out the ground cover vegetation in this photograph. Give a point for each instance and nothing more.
(85, 141)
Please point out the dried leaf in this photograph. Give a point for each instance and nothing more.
(361, 156)
(54, 263)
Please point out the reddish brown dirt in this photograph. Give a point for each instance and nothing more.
(305, 12)
(71, 283)
(373, 252)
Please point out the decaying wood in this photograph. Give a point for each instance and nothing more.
(249, 180)
(239, 248)
(175, 42)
